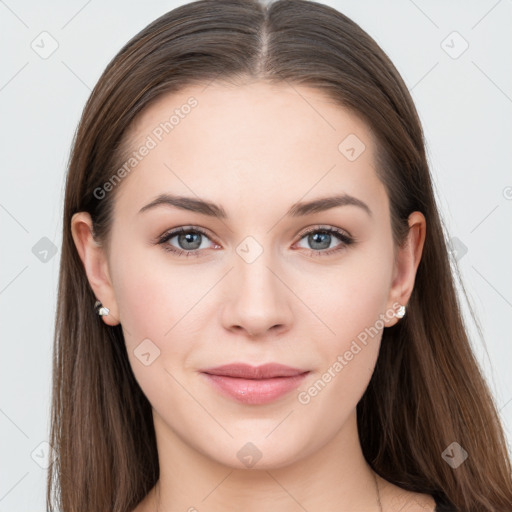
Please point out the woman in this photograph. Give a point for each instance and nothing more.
(256, 308)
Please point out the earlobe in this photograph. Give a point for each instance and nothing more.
(407, 260)
(94, 260)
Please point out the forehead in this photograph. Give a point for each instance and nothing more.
(242, 142)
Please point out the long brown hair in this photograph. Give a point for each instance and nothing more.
(427, 390)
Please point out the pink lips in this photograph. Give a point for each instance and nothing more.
(255, 384)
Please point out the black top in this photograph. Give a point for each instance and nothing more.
(442, 504)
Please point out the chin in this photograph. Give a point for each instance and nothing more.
(258, 454)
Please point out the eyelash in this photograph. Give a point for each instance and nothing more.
(339, 234)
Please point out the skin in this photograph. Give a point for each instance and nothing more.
(255, 149)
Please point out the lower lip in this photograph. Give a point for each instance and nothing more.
(255, 391)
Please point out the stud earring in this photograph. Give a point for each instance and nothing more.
(401, 312)
(100, 309)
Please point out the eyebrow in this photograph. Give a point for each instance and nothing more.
(297, 210)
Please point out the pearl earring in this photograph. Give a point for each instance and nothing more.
(100, 309)
(401, 312)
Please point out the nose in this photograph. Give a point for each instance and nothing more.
(258, 299)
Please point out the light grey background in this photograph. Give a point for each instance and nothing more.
(464, 103)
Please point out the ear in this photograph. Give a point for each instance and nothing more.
(95, 263)
(406, 263)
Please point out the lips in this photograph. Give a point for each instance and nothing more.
(245, 371)
(254, 384)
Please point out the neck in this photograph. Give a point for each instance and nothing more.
(332, 478)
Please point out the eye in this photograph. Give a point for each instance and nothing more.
(189, 241)
(320, 238)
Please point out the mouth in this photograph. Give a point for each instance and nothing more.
(254, 384)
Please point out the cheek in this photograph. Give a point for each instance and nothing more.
(144, 300)
(359, 305)
(355, 310)
(358, 294)
(153, 293)
(164, 302)
(153, 301)
(358, 328)
(152, 298)
(348, 357)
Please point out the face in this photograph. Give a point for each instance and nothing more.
(266, 282)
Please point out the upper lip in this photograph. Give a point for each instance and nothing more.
(246, 371)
